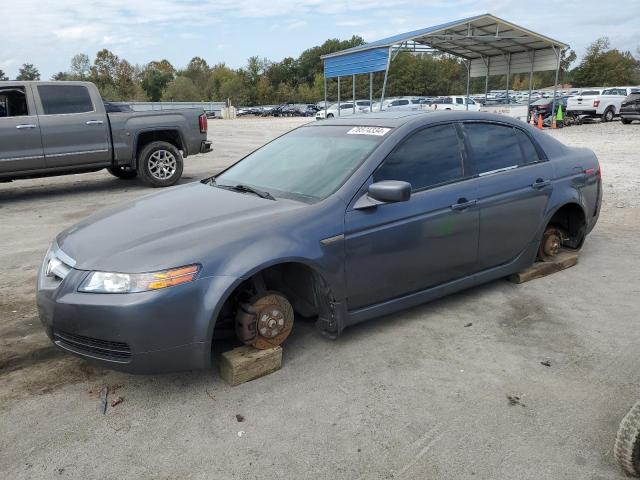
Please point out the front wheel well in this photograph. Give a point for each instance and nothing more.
(572, 220)
(303, 286)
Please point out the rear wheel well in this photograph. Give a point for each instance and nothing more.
(572, 220)
(304, 287)
(169, 136)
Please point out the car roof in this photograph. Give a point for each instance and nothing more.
(394, 119)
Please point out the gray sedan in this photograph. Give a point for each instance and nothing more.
(341, 220)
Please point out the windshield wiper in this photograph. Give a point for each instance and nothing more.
(247, 189)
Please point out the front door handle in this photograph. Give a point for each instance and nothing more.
(95, 122)
(540, 184)
(463, 204)
(26, 125)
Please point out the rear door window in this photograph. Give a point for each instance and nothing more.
(427, 158)
(64, 99)
(529, 152)
(493, 147)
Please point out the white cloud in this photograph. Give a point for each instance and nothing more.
(48, 32)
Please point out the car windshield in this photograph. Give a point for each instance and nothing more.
(307, 164)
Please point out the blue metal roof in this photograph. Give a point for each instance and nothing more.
(373, 60)
(481, 36)
(402, 37)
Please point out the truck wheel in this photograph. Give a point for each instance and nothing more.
(160, 164)
(627, 446)
(122, 172)
(608, 115)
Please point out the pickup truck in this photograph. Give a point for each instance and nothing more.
(58, 128)
(605, 106)
(454, 102)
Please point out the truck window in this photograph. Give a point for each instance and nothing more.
(427, 158)
(459, 101)
(63, 99)
(13, 102)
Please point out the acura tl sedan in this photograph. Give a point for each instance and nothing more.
(340, 221)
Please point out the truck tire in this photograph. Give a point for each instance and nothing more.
(122, 172)
(627, 446)
(160, 164)
(608, 114)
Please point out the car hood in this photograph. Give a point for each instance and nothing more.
(181, 226)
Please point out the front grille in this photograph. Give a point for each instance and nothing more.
(117, 351)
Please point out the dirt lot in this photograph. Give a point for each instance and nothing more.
(414, 395)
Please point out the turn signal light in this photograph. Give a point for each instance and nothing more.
(169, 278)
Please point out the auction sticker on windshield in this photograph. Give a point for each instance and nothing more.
(379, 131)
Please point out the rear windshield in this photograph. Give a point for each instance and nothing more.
(590, 92)
(307, 164)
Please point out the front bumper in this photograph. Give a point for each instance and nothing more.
(205, 146)
(150, 332)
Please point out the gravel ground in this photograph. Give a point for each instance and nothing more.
(413, 395)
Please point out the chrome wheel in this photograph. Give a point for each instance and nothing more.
(162, 164)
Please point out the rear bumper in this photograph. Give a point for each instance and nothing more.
(590, 112)
(205, 146)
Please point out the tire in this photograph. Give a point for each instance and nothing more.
(627, 446)
(626, 121)
(608, 114)
(160, 164)
(330, 115)
(125, 173)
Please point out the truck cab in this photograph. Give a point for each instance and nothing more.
(54, 128)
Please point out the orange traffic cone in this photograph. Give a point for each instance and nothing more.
(553, 121)
(540, 121)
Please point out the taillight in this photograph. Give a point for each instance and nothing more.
(596, 103)
(202, 121)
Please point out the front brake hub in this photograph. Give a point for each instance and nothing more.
(266, 321)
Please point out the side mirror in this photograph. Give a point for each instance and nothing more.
(386, 191)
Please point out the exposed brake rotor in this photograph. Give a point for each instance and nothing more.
(265, 321)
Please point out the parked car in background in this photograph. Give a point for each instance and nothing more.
(630, 108)
(346, 108)
(544, 106)
(57, 128)
(341, 220)
(605, 106)
(454, 102)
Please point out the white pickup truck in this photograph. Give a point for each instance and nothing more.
(605, 106)
(454, 102)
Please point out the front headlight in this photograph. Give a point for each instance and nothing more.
(111, 282)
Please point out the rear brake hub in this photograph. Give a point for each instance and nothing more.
(551, 244)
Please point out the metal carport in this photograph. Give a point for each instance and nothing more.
(487, 44)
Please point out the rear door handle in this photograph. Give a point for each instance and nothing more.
(463, 204)
(540, 183)
(26, 125)
(95, 122)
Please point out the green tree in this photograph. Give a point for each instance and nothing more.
(3, 76)
(181, 89)
(605, 66)
(80, 66)
(28, 72)
(155, 78)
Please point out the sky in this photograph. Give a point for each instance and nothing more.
(49, 33)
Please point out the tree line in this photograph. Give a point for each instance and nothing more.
(262, 81)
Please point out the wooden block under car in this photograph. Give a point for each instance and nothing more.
(540, 269)
(246, 363)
